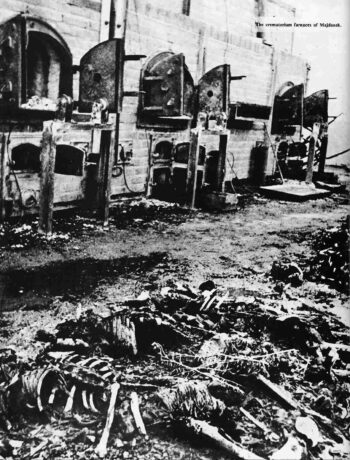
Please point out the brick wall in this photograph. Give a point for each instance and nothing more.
(215, 32)
(279, 12)
(151, 28)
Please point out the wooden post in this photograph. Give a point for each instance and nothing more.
(121, 10)
(47, 179)
(310, 160)
(311, 154)
(2, 177)
(323, 148)
(271, 102)
(149, 184)
(220, 174)
(192, 166)
(104, 175)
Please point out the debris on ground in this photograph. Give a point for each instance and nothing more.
(331, 261)
(329, 264)
(22, 234)
(257, 376)
(288, 272)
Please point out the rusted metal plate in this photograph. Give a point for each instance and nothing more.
(163, 86)
(316, 108)
(293, 192)
(167, 91)
(11, 61)
(97, 76)
(167, 86)
(287, 109)
(214, 90)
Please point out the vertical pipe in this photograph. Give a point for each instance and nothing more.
(121, 7)
(301, 113)
(23, 82)
(271, 102)
(292, 40)
(109, 150)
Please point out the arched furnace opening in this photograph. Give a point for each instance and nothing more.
(69, 160)
(26, 157)
(47, 67)
(36, 62)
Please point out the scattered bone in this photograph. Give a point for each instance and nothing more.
(280, 393)
(307, 427)
(124, 333)
(101, 449)
(135, 409)
(256, 422)
(292, 450)
(211, 432)
(70, 400)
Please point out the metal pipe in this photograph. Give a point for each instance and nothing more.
(338, 154)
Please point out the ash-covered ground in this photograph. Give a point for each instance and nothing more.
(272, 310)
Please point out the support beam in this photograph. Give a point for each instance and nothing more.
(310, 160)
(323, 149)
(47, 179)
(149, 183)
(220, 176)
(311, 154)
(192, 166)
(121, 9)
(2, 177)
(104, 174)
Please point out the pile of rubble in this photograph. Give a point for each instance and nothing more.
(145, 211)
(256, 376)
(331, 263)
